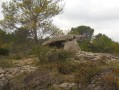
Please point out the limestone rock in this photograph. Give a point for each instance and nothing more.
(8, 73)
(66, 86)
(1, 71)
(64, 38)
(95, 57)
(71, 46)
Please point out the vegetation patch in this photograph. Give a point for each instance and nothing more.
(67, 68)
(4, 52)
(6, 63)
(48, 55)
(86, 72)
(38, 80)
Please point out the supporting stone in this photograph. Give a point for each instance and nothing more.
(71, 46)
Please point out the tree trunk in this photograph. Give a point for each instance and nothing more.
(35, 36)
(35, 32)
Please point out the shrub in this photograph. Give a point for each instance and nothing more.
(47, 55)
(110, 82)
(6, 63)
(58, 55)
(16, 57)
(86, 72)
(4, 52)
(41, 53)
(67, 68)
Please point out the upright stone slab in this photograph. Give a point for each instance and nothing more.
(71, 46)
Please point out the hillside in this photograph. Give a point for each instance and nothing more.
(43, 50)
(83, 71)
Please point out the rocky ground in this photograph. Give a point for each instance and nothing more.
(98, 81)
(84, 56)
(20, 66)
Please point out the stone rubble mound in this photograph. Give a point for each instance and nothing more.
(82, 56)
(7, 73)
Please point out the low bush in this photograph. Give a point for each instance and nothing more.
(58, 55)
(47, 55)
(67, 68)
(4, 52)
(41, 53)
(16, 57)
(6, 63)
(86, 72)
(110, 82)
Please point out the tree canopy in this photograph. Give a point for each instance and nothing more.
(30, 14)
(83, 30)
(102, 43)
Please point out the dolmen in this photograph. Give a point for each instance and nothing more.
(67, 42)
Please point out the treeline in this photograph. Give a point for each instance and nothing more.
(30, 22)
(95, 43)
(15, 42)
(21, 41)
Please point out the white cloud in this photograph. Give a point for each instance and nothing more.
(102, 15)
(1, 16)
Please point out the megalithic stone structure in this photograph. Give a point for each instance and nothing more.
(68, 42)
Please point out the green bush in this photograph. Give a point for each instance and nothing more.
(16, 57)
(58, 55)
(4, 52)
(6, 63)
(41, 53)
(67, 68)
(86, 72)
(47, 55)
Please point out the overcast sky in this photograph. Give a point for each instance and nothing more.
(101, 15)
